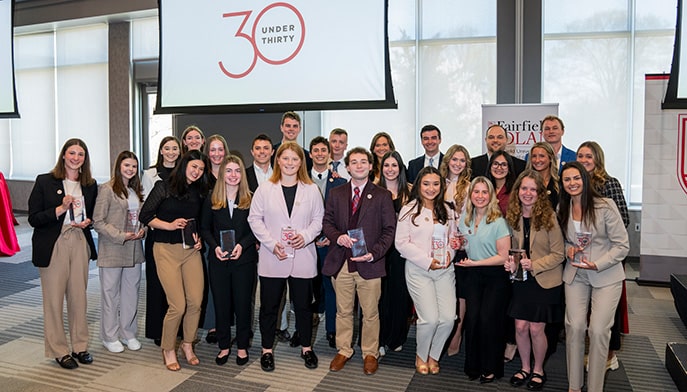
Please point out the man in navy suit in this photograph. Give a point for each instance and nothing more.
(290, 128)
(325, 297)
(496, 140)
(359, 204)
(261, 169)
(430, 136)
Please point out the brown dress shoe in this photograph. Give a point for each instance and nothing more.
(370, 365)
(338, 362)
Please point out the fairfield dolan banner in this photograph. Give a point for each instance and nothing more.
(521, 121)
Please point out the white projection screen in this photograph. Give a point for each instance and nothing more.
(266, 56)
(8, 95)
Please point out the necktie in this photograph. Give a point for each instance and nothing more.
(356, 200)
(335, 165)
(319, 175)
(431, 162)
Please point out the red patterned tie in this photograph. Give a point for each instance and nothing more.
(356, 200)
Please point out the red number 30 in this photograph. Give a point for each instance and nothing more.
(251, 39)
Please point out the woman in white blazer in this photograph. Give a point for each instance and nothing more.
(593, 272)
(431, 283)
(288, 201)
(115, 219)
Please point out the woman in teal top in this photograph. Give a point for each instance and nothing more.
(488, 241)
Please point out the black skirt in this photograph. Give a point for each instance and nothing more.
(531, 302)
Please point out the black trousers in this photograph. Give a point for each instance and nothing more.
(395, 304)
(156, 300)
(486, 295)
(271, 292)
(232, 290)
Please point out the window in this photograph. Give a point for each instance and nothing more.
(595, 57)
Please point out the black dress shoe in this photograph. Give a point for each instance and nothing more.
(295, 340)
(267, 362)
(221, 360)
(331, 338)
(67, 362)
(537, 381)
(519, 381)
(211, 337)
(83, 357)
(242, 361)
(283, 335)
(310, 359)
(486, 380)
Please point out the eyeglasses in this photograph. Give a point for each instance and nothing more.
(496, 165)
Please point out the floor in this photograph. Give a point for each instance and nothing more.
(23, 367)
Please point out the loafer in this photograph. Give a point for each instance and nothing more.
(283, 335)
(519, 381)
(221, 360)
(338, 362)
(331, 339)
(132, 344)
(113, 347)
(267, 362)
(537, 381)
(310, 359)
(211, 337)
(242, 361)
(67, 362)
(370, 365)
(83, 357)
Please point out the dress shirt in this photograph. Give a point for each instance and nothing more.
(260, 175)
(435, 160)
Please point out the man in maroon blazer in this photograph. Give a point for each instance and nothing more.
(358, 204)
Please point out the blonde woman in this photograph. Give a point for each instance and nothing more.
(542, 159)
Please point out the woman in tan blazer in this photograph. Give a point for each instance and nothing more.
(594, 272)
(536, 299)
(115, 219)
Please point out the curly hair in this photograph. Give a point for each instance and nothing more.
(542, 213)
(463, 183)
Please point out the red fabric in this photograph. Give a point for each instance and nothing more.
(625, 327)
(8, 237)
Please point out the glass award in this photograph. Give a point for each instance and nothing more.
(520, 274)
(359, 246)
(188, 234)
(584, 238)
(287, 235)
(227, 240)
(77, 210)
(132, 224)
(439, 244)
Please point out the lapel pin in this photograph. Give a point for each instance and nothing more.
(59, 191)
(369, 196)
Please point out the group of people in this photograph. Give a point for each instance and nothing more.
(439, 243)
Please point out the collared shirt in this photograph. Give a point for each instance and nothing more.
(341, 169)
(320, 179)
(559, 153)
(361, 187)
(435, 162)
(260, 175)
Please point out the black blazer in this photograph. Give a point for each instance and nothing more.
(417, 164)
(212, 221)
(46, 195)
(252, 180)
(480, 165)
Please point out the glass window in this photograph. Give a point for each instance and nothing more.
(656, 14)
(583, 16)
(457, 19)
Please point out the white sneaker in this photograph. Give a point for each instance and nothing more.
(382, 351)
(132, 344)
(113, 347)
(612, 364)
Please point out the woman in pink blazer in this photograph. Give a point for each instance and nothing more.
(286, 218)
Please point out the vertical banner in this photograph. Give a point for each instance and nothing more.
(8, 96)
(522, 123)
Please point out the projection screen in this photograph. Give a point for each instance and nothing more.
(238, 56)
(8, 94)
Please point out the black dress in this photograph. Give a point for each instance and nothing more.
(530, 301)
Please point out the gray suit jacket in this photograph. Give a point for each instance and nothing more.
(608, 248)
(109, 221)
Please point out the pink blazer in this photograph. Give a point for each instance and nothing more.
(268, 214)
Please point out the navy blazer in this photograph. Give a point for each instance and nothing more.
(376, 217)
(46, 195)
(418, 164)
(480, 165)
(212, 221)
(332, 182)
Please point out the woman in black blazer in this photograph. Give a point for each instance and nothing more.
(60, 210)
(232, 271)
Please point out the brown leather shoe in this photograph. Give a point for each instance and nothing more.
(370, 365)
(338, 362)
